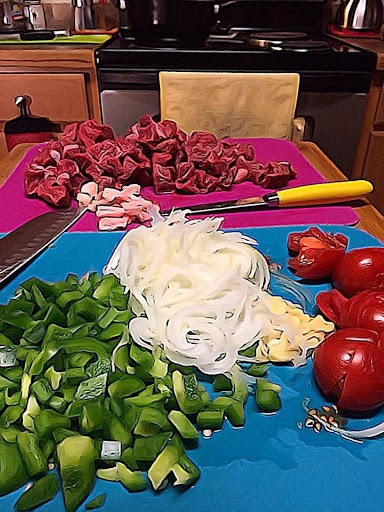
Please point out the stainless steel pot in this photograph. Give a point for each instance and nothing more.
(170, 21)
(360, 15)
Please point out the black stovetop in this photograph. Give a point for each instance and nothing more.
(236, 52)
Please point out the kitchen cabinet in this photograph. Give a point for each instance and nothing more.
(369, 160)
(60, 79)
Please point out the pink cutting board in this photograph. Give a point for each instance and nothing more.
(16, 208)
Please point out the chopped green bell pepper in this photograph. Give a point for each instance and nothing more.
(183, 425)
(134, 481)
(12, 471)
(32, 455)
(43, 490)
(148, 448)
(49, 420)
(185, 471)
(187, 392)
(126, 386)
(210, 420)
(267, 396)
(77, 469)
(96, 502)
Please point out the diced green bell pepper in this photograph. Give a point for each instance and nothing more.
(48, 446)
(74, 376)
(66, 298)
(42, 390)
(62, 433)
(258, 370)
(49, 420)
(267, 396)
(96, 502)
(9, 434)
(235, 413)
(43, 490)
(32, 455)
(58, 403)
(186, 472)
(77, 469)
(111, 332)
(141, 356)
(14, 374)
(183, 425)
(146, 449)
(12, 471)
(187, 392)
(79, 360)
(115, 430)
(53, 377)
(163, 465)
(151, 421)
(92, 417)
(210, 419)
(134, 481)
(10, 415)
(109, 474)
(129, 460)
(222, 383)
(92, 388)
(12, 398)
(126, 386)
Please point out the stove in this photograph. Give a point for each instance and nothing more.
(242, 50)
(334, 76)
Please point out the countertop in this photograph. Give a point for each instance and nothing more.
(373, 45)
(370, 219)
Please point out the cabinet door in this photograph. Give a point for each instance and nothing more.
(59, 96)
(374, 168)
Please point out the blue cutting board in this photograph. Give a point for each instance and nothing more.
(273, 464)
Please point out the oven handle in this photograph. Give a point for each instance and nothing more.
(128, 78)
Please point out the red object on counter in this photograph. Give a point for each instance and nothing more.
(318, 252)
(365, 309)
(347, 32)
(349, 369)
(358, 270)
(13, 139)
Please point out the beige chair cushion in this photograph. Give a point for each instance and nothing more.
(231, 104)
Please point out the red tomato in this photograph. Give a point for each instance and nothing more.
(358, 270)
(349, 369)
(318, 252)
(365, 309)
(330, 304)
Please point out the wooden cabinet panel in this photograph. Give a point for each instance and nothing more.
(60, 97)
(374, 168)
(379, 118)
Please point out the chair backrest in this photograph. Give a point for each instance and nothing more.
(231, 104)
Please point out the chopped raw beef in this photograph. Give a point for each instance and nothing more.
(158, 154)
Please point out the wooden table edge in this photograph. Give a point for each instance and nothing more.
(370, 218)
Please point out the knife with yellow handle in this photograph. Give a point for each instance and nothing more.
(308, 195)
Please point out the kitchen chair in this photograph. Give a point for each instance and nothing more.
(233, 104)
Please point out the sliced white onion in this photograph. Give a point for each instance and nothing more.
(199, 293)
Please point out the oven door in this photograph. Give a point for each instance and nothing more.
(126, 96)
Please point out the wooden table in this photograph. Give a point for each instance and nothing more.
(370, 219)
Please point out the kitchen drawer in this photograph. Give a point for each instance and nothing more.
(59, 96)
(374, 168)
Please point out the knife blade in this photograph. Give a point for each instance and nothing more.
(307, 195)
(24, 243)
